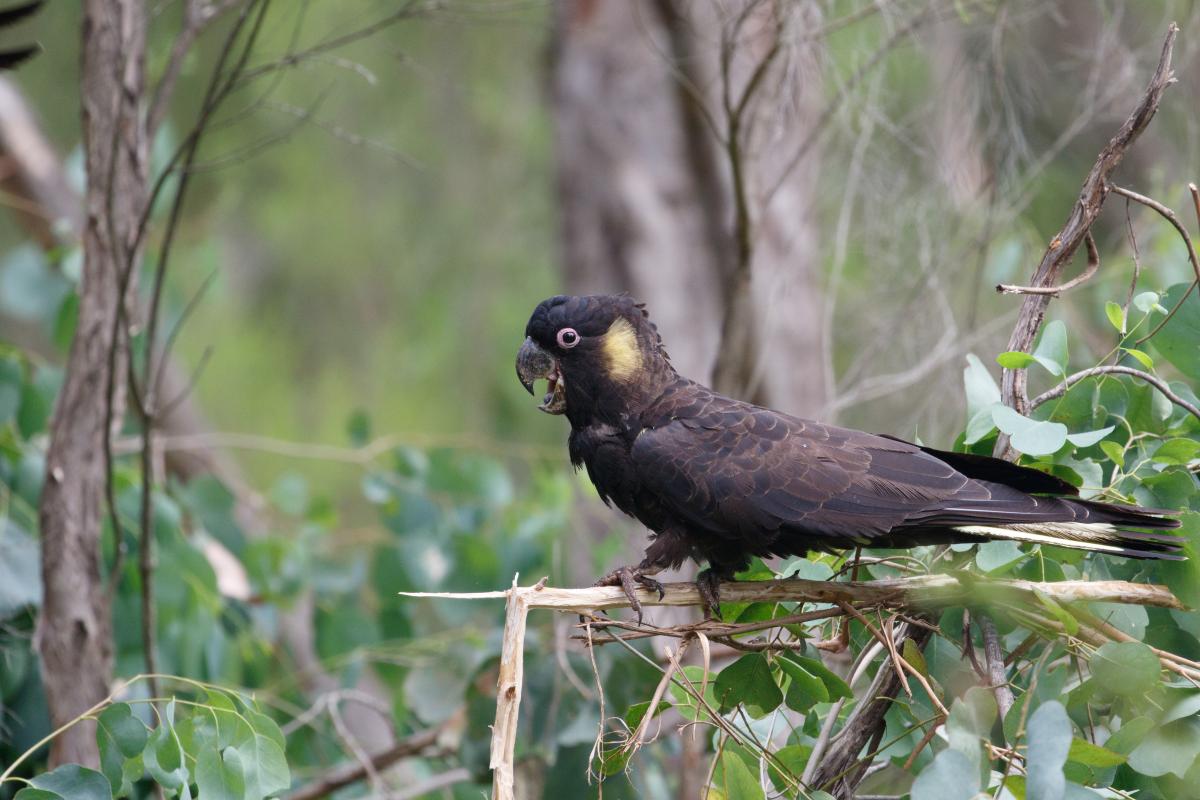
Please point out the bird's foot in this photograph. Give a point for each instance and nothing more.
(708, 583)
(839, 643)
(628, 578)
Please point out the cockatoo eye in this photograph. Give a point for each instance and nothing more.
(568, 338)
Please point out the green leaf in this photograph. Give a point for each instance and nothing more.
(1130, 735)
(913, 655)
(833, 682)
(805, 689)
(732, 779)
(1089, 438)
(120, 736)
(263, 765)
(637, 712)
(1093, 755)
(1114, 451)
(1143, 358)
(792, 758)
(980, 425)
(1051, 351)
(1145, 301)
(220, 776)
(1015, 359)
(74, 782)
(748, 680)
(20, 570)
(1034, 437)
(163, 756)
(980, 386)
(1116, 316)
(266, 726)
(1173, 747)
(1179, 339)
(118, 726)
(951, 776)
(29, 793)
(1182, 703)
(995, 556)
(1049, 733)
(1127, 669)
(1176, 451)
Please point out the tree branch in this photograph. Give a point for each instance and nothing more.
(1079, 222)
(1111, 369)
(338, 777)
(918, 594)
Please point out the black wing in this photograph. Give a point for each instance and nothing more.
(780, 485)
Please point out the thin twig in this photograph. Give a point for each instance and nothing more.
(347, 774)
(1112, 369)
(1093, 265)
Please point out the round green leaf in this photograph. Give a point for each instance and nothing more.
(30, 793)
(1125, 668)
(1049, 733)
(1173, 747)
(74, 782)
(220, 776)
(951, 776)
(1179, 339)
(126, 731)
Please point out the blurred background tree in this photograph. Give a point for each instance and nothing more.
(816, 199)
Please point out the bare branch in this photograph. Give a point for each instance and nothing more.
(1110, 369)
(415, 745)
(197, 15)
(1079, 222)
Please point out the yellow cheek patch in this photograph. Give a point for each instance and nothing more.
(622, 355)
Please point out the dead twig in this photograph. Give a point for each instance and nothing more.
(1093, 265)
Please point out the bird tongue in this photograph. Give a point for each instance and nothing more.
(555, 400)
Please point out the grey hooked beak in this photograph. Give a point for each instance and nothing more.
(535, 364)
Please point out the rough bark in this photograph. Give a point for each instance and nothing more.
(74, 630)
(646, 187)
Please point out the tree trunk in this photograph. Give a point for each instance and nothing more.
(74, 635)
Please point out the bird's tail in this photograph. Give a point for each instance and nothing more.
(1100, 527)
(1100, 537)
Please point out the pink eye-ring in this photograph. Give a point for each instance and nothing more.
(568, 338)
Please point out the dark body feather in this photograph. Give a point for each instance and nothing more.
(720, 480)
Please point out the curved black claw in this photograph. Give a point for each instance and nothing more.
(708, 583)
(626, 577)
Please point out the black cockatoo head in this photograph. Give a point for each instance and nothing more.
(601, 354)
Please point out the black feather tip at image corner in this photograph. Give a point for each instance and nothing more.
(721, 481)
(13, 57)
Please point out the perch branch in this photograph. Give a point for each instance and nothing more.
(916, 593)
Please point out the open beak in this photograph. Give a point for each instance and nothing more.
(535, 364)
